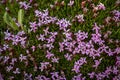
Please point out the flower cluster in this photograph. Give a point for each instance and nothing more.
(53, 50)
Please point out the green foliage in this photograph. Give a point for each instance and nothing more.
(21, 17)
(9, 21)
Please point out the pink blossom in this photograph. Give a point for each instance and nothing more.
(115, 70)
(5, 46)
(27, 76)
(46, 30)
(16, 71)
(41, 37)
(22, 57)
(68, 57)
(13, 61)
(54, 75)
(80, 18)
(49, 46)
(25, 5)
(61, 47)
(97, 63)
(71, 3)
(101, 6)
(49, 55)
(42, 77)
(33, 26)
(43, 65)
(118, 61)
(6, 58)
(33, 48)
(63, 24)
(9, 68)
(92, 75)
(78, 77)
(55, 60)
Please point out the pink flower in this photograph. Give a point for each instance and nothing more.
(49, 55)
(25, 5)
(22, 57)
(8, 35)
(27, 76)
(33, 48)
(81, 35)
(68, 57)
(61, 47)
(68, 35)
(55, 60)
(13, 61)
(78, 64)
(115, 70)
(78, 77)
(71, 3)
(33, 26)
(101, 6)
(63, 24)
(41, 77)
(100, 76)
(16, 71)
(49, 46)
(41, 37)
(97, 62)
(117, 50)
(46, 30)
(5, 46)
(80, 18)
(54, 75)
(76, 68)
(118, 61)
(6, 58)
(9, 68)
(96, 28)
(30, 1)
(43, 65)
(50, 39)
(92, 75)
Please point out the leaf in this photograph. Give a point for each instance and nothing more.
(13, 24)
(7, 18)
(9, 21)
(21, 17)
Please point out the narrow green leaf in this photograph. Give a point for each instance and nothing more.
(9, 21)
(21, 17)
(7, 18)
(13, 24)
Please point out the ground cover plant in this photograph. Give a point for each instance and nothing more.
(59, 40)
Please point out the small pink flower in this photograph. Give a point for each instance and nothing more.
(92, 75)
(25, 5)
(115, 70)
(33, 48)
(54, 75)
(16, 71)
(101, 6)
(43, 65)
(22, 57)
(9, 68)
(46, 30)
(97, 63)
(80, 18)
(49, 55)
(71, 3)
(55, 60)
(68, 57)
